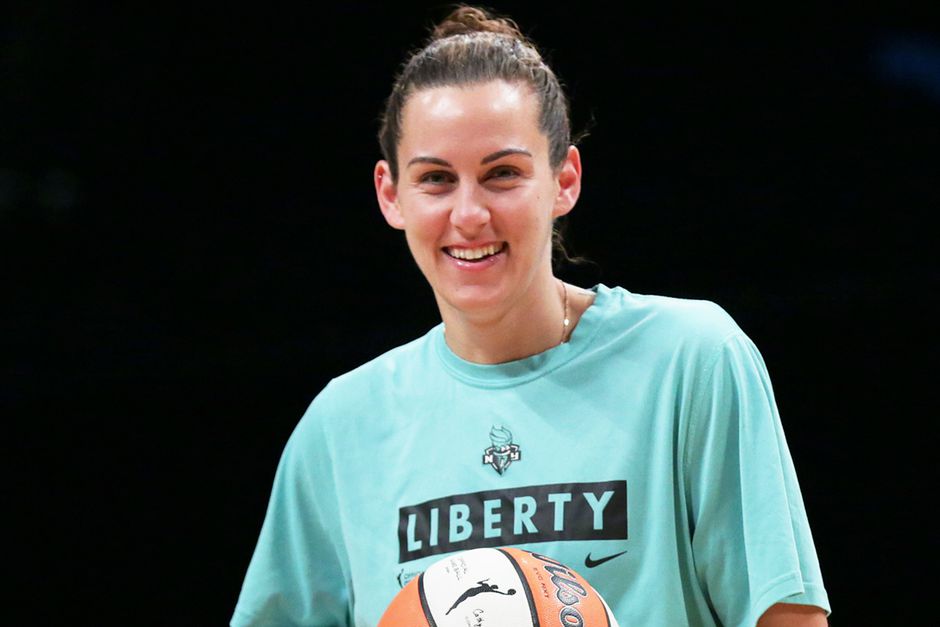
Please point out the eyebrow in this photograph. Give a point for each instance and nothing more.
(499, 154)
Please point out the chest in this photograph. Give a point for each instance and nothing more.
(578, 477)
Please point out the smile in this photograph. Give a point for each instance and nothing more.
(475, 254)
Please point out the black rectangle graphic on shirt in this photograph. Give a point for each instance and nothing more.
(539, 513)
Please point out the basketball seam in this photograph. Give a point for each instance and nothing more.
(525, 586)
(424, 602)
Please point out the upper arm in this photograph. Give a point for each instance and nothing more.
(793, 615)
(297, 574)
(750, 535)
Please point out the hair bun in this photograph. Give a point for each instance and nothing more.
(467, 19)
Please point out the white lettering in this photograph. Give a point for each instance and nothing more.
(460, 526)
(413, 544)
(559, 499)
(435, 515)
(491, 518)
(523, 509)
(598, 506)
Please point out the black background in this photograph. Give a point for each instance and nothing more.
(191, 248)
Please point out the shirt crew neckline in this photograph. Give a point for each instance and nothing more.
(511, 373)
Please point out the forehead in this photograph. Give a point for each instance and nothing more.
(471, 118)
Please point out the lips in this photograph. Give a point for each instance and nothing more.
(475, 254)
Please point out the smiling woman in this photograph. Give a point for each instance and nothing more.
(523, 417)
(477, 201)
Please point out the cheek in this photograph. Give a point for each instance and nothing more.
(423, 229)
(530, 218)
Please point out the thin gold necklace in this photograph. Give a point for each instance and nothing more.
(566, 321)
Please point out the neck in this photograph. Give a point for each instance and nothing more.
(530, 326)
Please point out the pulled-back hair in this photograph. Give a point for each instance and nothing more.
(472, 46)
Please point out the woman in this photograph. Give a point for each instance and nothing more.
(636, 435)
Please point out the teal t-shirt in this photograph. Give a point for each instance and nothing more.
(646, 453)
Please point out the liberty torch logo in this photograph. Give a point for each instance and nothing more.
(503, 452)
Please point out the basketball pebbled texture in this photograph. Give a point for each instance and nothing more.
(505, 587)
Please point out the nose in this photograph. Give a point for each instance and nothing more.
(469, 213)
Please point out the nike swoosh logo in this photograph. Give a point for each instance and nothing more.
(591, 563)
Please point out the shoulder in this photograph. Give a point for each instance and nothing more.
(390, 369)
(668, 321)
(360, 390)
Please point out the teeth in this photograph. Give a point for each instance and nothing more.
(471, 254)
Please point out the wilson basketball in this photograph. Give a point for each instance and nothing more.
(505, 587)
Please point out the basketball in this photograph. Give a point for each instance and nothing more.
(504, 587)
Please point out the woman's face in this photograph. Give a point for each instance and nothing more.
(476, 195)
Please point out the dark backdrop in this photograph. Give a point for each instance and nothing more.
(191, 248)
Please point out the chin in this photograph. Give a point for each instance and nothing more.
(471, 298)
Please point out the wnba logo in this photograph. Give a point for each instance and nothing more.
(480, 589)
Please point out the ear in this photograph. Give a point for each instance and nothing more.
(568, 180)
(387, 193)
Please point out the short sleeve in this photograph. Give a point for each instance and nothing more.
(296, 574)
(751, 540)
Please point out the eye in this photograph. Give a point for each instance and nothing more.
(503, 172)
(435, 178)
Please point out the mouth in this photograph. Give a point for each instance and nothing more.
(475, 255)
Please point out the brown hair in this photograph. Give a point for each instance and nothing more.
(471, 45)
